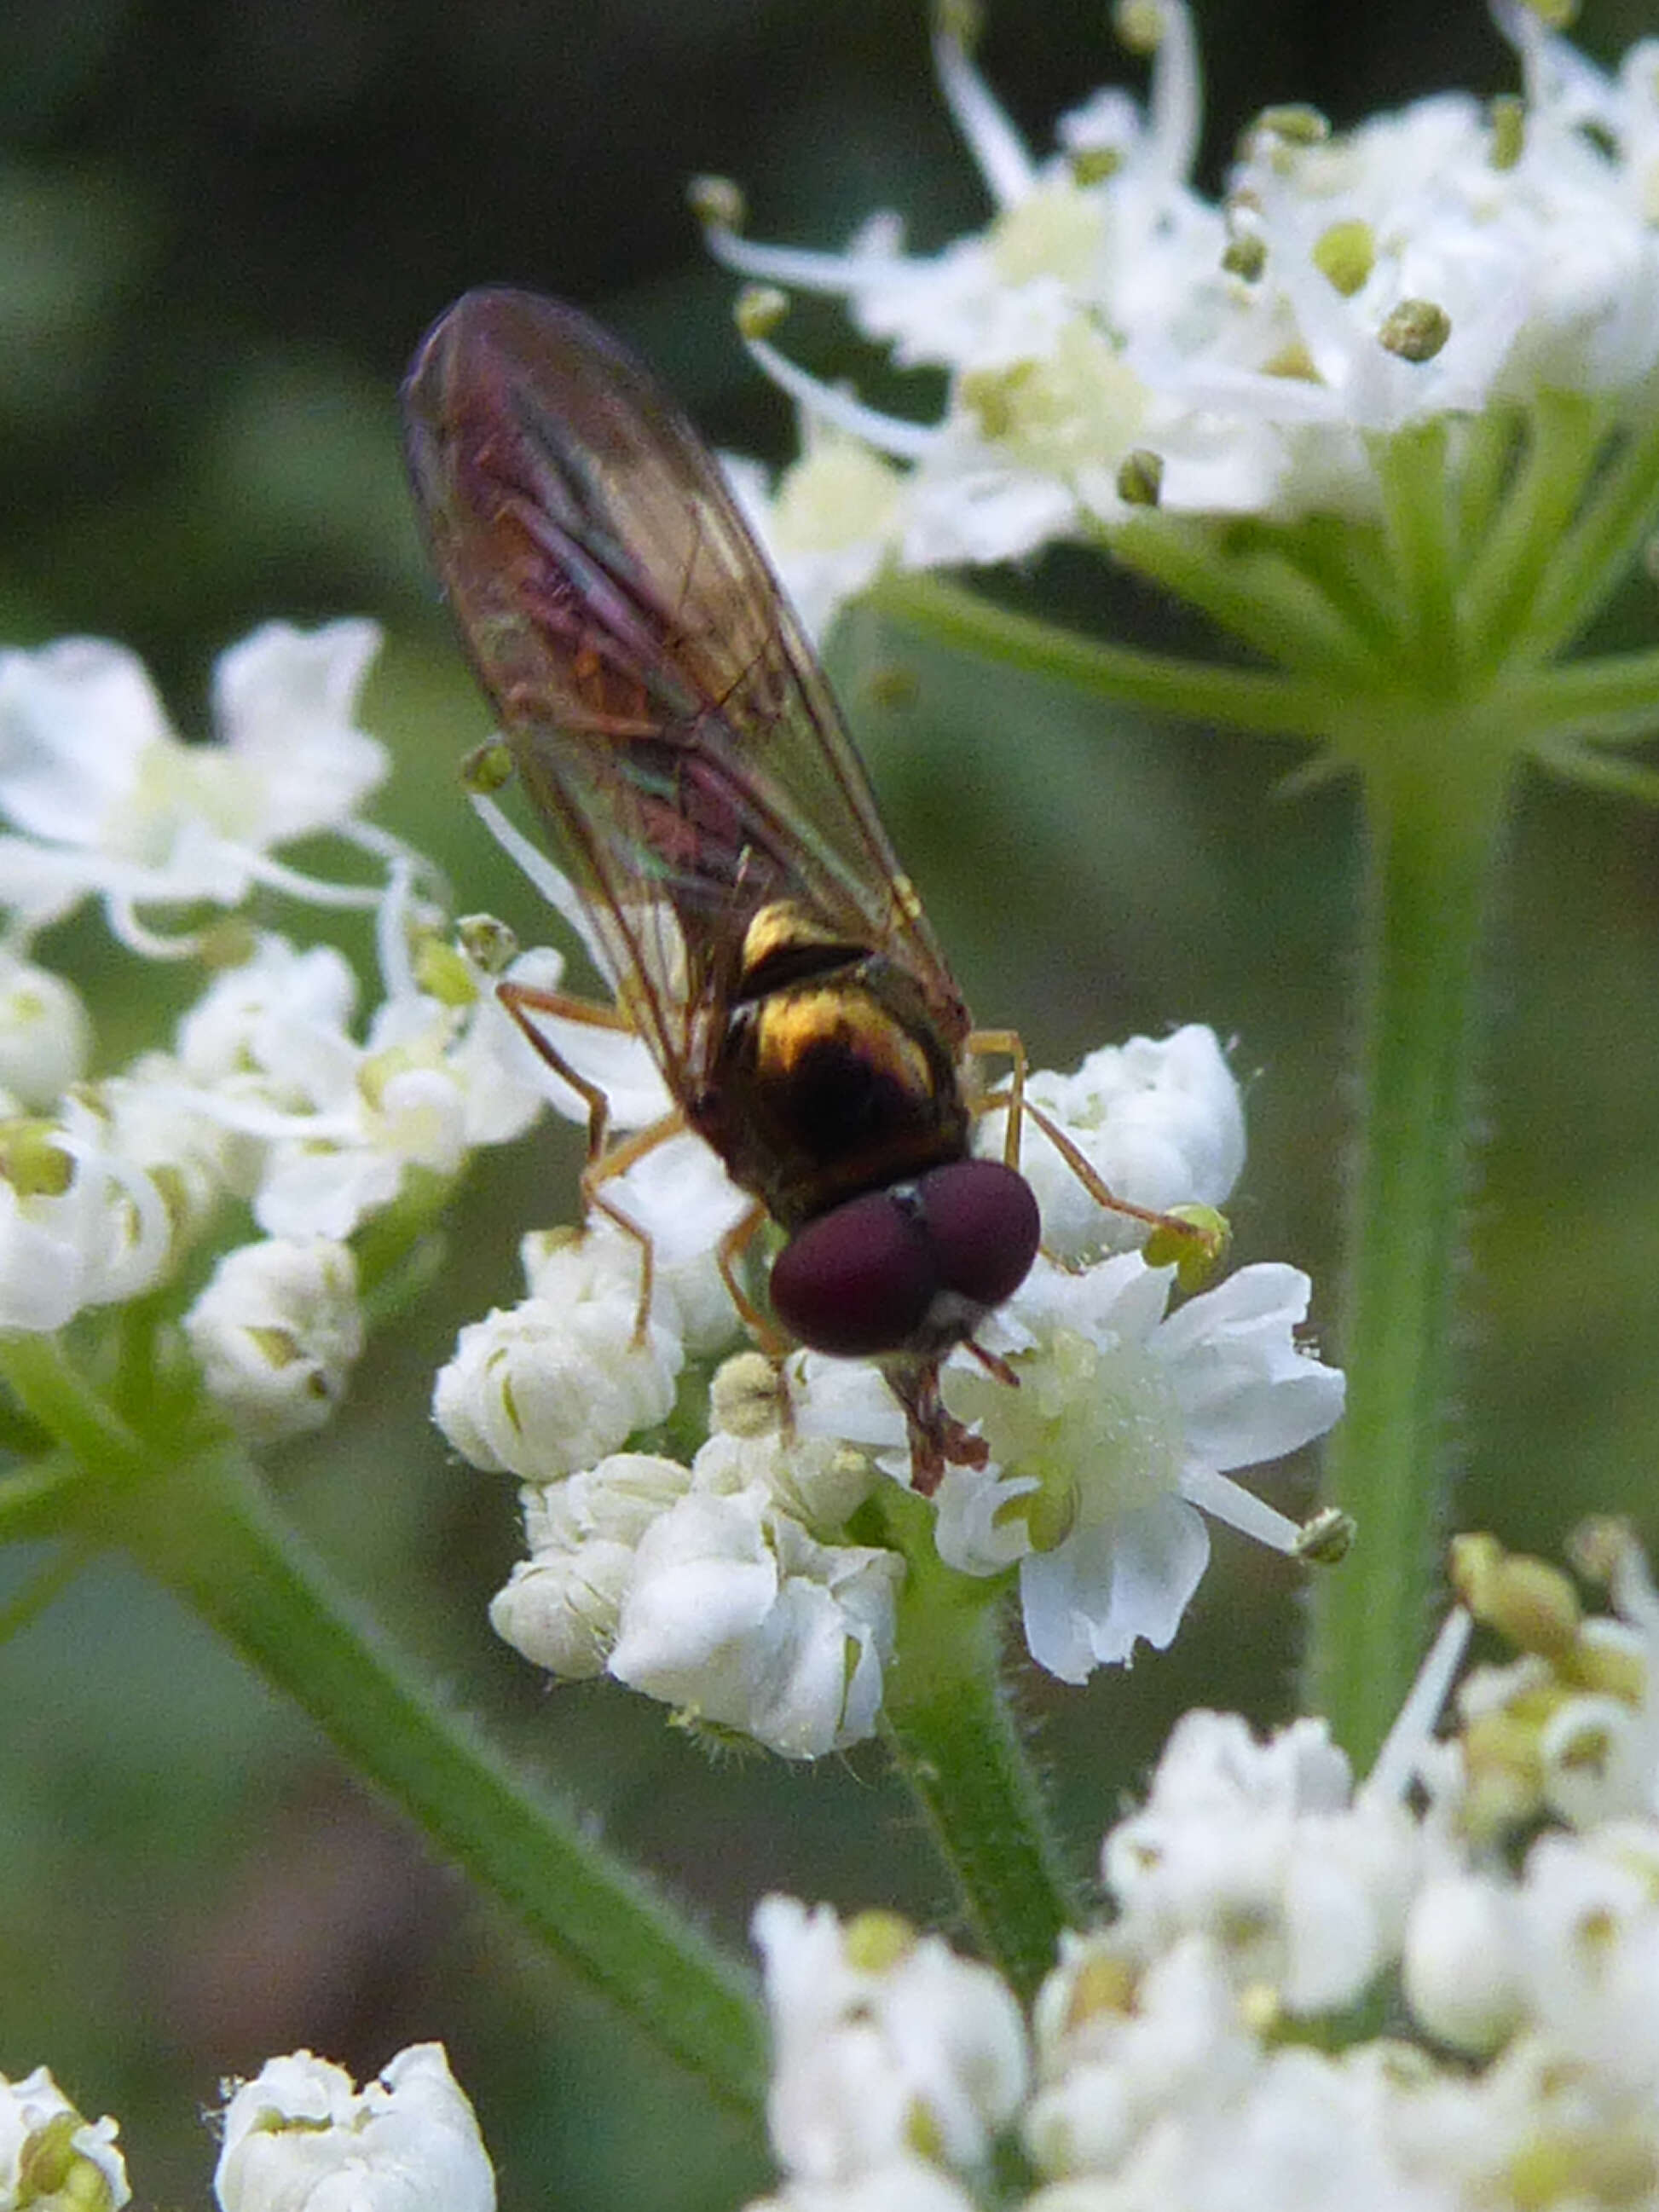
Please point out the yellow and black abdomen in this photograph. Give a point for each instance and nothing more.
(833, 1087)
(831, 1076)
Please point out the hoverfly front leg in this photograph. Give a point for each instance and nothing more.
(521, 1002)
(937, 1437)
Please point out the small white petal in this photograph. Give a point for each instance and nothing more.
(46, 1034)
(1088, 1604)
(1247, 1392)
(878, 2035)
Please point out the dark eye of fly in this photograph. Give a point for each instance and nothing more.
(909, 1269)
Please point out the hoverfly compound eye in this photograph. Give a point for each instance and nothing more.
(859, 1280)
(910, 1268)
(983, 1228)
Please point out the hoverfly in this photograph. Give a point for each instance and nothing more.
(673, 729)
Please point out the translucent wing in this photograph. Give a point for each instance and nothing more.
(664, 711)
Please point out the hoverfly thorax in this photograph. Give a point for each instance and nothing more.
(670, 725)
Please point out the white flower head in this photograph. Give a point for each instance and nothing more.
(1462, 1967)
(1110, 328)
(741, 1620)
(52, 2159)
(834, 517)
(567, 1376)
(104, 801)
(1260, 1848)
(885, 2046)
(81, 1224)
(1159, 1119)
(277, 1332)
(340, 1126)
(301, 2136)
(820, 1481)
(1587, 1917)
(1120, 2041)
(560, 1606)
(1126, 1422)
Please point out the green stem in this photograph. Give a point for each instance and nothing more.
(953, 1736)
(204, 1525)
(1435, 818)
(1481, 482)
(1252, 701)
(1347, 564)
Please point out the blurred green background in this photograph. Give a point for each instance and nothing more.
(221, 229)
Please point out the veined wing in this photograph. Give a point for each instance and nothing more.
(664, 711)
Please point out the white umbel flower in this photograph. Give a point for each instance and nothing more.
(302, 2137)
(885, 2045)
(46, 1036)
(277, 1332)
(81, 1224)
(1108, 328)
(1262, 1849)
(50, 2159)
(560, 1606)
(341, 1126)
(561, 1379)
(740, 1620)
(1121, 1437)
(106, 802)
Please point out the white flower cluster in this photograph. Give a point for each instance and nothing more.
(1199, 2050)
(268, 1101)
(1112, 339)
(301, 2136)
(733, 1587)
(50, 2159)
(106, 801)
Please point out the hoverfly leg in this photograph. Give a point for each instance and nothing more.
(768, 1337)
(1006, 1044)
(617, 1161)
(728, 1254)
(937, 1437)
(604, 1160)
(521, 1000)
(994, 1364)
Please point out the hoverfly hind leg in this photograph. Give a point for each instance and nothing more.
(604, 1160)
(617, 1161)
